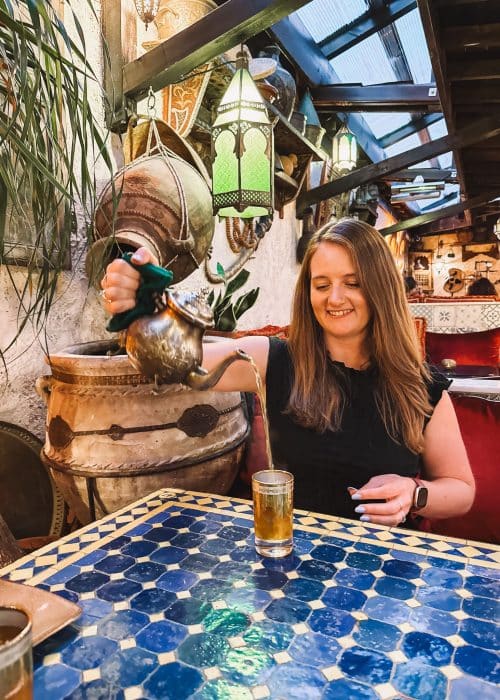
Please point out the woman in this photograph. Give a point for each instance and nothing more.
(354, 412)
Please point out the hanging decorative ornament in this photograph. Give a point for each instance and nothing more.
(242, 150)
(345, 149)
(147, 10)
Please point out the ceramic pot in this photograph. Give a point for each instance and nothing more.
(149, 214)
(283, 81)
(113, 436)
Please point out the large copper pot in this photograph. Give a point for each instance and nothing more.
(114, 436)
(146, 199)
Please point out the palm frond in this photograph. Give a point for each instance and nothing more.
(49, 144)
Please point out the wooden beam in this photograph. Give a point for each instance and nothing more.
(448, 223)
(225, 27)
(477, 131)
(483, 93)
(430, 24)
(379, 98)
(118, 26)
(429, 175)
(365, 25)
(474, 69)
(454, 3)
(471, 203)
(484, 36)
(300, 47)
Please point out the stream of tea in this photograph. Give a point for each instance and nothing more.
(261, 393)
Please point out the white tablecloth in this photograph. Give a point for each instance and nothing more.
(473, 386)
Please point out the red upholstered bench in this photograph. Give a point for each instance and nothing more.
(479, 421)
(481, 348)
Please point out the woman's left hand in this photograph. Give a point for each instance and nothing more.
(396, 492)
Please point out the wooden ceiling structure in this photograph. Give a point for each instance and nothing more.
(463, 37)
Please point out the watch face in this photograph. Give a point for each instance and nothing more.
(420, 497)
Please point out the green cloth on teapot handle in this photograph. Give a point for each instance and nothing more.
(154, 281)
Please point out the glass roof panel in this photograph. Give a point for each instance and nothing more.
(411, 141)
(382, 123)
(411, 34)
(366, 63)
(446, 160)
(436, 131)
(324, 17)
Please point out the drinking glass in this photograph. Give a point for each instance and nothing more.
(273, 512)
(16, 661)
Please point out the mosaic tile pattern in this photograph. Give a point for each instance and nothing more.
(459, 318)
(177, 604)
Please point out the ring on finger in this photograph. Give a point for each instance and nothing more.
(401, 510)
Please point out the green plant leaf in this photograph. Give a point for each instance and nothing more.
(219, 310)
(210, 298)
(227, 321)
(237, 282)
(246, 302)
(220, 271)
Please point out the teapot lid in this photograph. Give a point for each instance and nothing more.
(193, 306)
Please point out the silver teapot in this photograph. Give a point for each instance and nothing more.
(168, 344)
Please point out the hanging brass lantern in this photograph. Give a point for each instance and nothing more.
(242, 150)
(147, 10)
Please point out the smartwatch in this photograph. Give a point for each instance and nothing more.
(420, 496)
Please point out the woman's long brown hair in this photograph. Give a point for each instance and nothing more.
(317, 398)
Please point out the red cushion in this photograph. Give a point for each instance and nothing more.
(482, 348)
(479, 421)
(460, 300)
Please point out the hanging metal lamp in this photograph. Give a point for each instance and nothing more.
(345, 149)
(242, 150)
(147, 10)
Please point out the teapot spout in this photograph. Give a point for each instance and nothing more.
(200, 379)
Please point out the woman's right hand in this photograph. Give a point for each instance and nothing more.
(121, 282)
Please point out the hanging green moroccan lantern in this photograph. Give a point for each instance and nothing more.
(242, 150)
(345, 150)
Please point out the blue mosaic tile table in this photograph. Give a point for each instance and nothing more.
(177, 604)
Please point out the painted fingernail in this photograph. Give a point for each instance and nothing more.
(356, 496)
(359, 509)
(138, 257)
(365, 518)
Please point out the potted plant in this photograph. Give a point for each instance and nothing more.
(226, 310)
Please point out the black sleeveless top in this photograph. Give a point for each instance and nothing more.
(324, 465)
